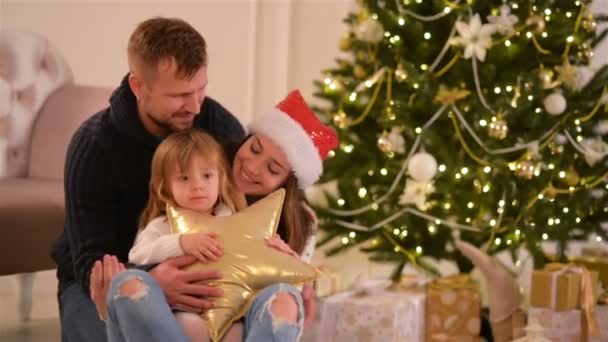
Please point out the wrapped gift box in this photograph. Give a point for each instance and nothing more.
(597, 264)
(453, 310)
(373, 313)
(558, 326)
(601, 313)
(558, 287)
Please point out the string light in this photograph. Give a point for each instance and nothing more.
(529, 34)
(557, 220)
(470, 205)
(562, 174)
(509, 88)
(464, 170)
(507, 43)
(551, 166)
(538, 110)
(352, 97)
(442, 168)
(598, 239)
(332, 154)
(362, 192)
(570, 39)
(544, 34)
(492, 222)
(418, 130)
(541, 196)
(497, 90)
(401, 21)
(352, 235)
(550, 221)
(394, 39)
(568, 14)
(447, 206)
(419, 250)
(515, 5)
(517, 232)
(415, 85)
(566, 210)
(327, 81)
(396, 231)
(545, 236)
(424, 67)
(370, 172)
(348, 148)
(547, 18)
(341, 202)
(447, 10)
(483, 123)
(487, 169)
(345, 241)
(548, 11)
(578, 220)
(497, 241)
(375, 206)
(501, 203)
(387, 34)
(404, 233)
(383, 171)
(530, 97)
(467, 220)
(369, 83)
(432, 229)
(427, 35)
(486, 188)
(457, 175)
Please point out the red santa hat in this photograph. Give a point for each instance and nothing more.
(304, 138)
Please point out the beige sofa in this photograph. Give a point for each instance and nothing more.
(32, 207)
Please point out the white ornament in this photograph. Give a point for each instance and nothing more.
(475, 37)
(601, 128)
(555, 104)
(505, 21)
(416, 192)
(595, 150)
(396, 139)
(370, 31)
(422, 167)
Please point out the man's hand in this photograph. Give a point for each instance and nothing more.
(99, 284)
(308, 295)
(186, 289)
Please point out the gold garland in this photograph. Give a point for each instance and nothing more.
(538, 47)
(596, 107)
(369, 105)
(577, 24)
(402, 250)
(447, 66)
(464, 144)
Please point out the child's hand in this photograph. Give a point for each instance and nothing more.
(204, 246)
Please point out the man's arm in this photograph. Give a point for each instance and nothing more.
(91, 213)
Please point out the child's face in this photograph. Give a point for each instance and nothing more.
(197, 187)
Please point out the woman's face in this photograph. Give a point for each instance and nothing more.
(260, 166)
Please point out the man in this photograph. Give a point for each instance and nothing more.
(108, 169)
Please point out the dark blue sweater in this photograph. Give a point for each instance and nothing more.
(107, 172)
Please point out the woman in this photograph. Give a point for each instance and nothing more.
(286, 149)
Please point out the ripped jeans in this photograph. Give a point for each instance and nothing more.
(146, 316)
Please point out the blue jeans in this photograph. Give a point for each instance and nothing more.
(78, 317)
(148, 317)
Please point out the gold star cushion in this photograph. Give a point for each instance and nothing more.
(248, 264)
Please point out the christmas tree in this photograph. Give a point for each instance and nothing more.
(465, 120)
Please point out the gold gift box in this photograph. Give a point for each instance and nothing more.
(453, 309)
(565, 294)
(600, 265)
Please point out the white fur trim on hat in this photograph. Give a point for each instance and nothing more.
(295, 142)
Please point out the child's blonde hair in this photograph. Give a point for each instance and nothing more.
(178, 149)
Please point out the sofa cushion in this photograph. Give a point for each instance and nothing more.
(31, 218)
(59, 118)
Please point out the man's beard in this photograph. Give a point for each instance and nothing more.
(165, 125)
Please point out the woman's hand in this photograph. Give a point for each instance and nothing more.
(204, 246)
(99, 281)
(277, 243)
(308, 296)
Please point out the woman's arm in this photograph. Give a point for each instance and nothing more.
(155, 243)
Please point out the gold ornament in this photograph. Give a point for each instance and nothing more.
(537, 22)
(359, 72)
(572, 177)
(248, 264)
(400, 74)
(340, 119)
(498, 128)
(525, 169)
(384, 143)
(450, 96)
(546, 78)
(346, 42)
(567, 73)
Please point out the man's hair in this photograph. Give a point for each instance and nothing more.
(159, 39)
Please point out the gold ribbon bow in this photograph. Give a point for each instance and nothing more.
(587, 294)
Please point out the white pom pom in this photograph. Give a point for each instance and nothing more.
(555, 104)
(422, 167)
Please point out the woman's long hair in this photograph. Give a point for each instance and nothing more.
(295, 225)
(178, 150)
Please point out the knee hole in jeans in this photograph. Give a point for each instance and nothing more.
(133, 288)
(284, 307)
